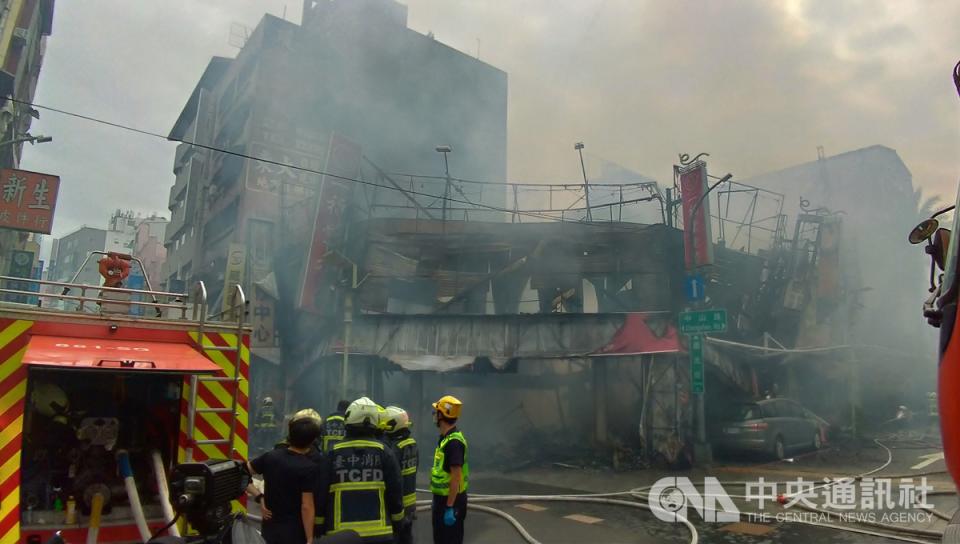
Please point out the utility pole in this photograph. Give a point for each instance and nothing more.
(586, 184)
(347, 329)
(446, 190)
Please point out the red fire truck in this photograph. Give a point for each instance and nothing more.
(95, 378)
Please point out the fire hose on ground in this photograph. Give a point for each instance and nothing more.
(641, 496)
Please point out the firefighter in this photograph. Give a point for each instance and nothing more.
(397, 428)
(450, 476)
(362, 479)
(266, 417)
(265, 428)
(333, 429)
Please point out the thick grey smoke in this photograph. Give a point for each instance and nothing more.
(758, 84)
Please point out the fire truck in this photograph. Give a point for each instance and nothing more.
(940, 310)
(103, 390)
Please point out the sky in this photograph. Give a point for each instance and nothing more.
(757, 84)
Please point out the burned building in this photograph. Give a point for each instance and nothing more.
(352, 91)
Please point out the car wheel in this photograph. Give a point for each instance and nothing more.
(779, 451)
(817, 440)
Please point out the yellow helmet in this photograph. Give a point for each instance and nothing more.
(448, 406)
(307, 413)
(395, 419)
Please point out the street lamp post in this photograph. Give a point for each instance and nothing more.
(446, 167)
(691, 240)
(40, 139)
(586, 185)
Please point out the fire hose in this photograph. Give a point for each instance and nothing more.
(641, 497)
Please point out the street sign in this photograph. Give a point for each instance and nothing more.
(694, 288)
(697, 381)
(701, 321)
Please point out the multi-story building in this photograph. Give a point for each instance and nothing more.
(68, 253)
(148, 247)
(351, 87)
(24, 27)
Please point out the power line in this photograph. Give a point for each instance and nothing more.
(300, 168)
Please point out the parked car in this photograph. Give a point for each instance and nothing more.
(774, 427)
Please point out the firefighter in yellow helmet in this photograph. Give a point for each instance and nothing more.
(450, 475)
(396, 427)
(362, 479)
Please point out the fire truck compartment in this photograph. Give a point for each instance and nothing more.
(76, 421)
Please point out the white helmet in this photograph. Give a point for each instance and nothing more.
(395, 419)
(362, 412)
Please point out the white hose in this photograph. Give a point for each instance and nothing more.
(426, 505)
(694, 535)
(123, 460)
(164, 491)
(641, 496)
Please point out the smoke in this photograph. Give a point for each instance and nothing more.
(757, 84)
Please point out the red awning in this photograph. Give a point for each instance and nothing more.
(636, 337)
(114, 355)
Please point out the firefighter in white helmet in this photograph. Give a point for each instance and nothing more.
(362, 479)
(396, 425)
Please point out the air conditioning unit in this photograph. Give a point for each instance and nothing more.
(20, 36)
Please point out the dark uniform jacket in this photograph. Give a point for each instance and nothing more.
(408, 455)
(332, 431)
(364, 488)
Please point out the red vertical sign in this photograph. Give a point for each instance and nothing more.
(343, 159)
(693, 187)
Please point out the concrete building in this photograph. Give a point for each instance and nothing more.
(148, 246)
(872, 189)
(24, 28)
(68, 253)
(352, 91)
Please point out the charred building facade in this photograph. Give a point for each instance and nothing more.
(351, 91)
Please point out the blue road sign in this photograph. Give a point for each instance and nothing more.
(693, 286)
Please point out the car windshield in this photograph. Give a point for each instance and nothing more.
(750, 411)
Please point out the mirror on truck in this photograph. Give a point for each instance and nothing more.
(922, 232)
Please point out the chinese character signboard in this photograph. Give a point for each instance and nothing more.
(343, 160)
(27, 200)
(697, 239)
(702, 321)
(236, 263)
(696, 364)
(264, 327)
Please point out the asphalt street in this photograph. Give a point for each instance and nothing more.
(576, 523)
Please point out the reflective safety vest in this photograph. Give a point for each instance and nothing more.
(409, 457)
(440, 478)
(358, 489)
(333, 432)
